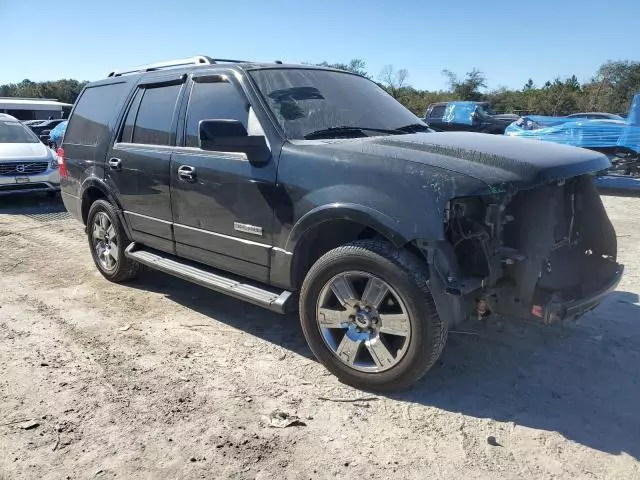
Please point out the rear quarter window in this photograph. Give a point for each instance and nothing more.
(437, 111)
(96, 108)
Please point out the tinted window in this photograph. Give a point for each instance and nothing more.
(214, 100)
(127, 129)
(155, 115)
(12, 131)
(437, 111)
(95, 109)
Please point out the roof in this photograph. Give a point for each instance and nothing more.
(31, 102)
(203, 62)
(6, 117)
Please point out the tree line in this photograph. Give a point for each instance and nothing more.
(609, 90)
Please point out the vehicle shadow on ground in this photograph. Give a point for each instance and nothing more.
(36, 204)
(283, 330)
(580, 380)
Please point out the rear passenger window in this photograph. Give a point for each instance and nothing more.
(437, 111)
(155, 115)
(129, 122)
(96, 107)
(214, 99)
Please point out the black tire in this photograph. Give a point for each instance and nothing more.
(407, 276)
(125, 268)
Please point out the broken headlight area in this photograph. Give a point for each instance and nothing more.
(547, 252)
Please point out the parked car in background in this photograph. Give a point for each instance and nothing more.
(43, 128)
(26, 165)
(56, 135)
(292, 186)
(31, 123)
(618, 138)
(467, 117)
(596, 116)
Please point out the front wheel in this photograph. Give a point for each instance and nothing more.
(369, 317)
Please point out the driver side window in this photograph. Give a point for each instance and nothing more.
(213, 98)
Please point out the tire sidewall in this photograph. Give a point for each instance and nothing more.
(419, 351)
(105, 207)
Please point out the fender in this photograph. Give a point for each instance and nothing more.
(364, 215)
(99, 183)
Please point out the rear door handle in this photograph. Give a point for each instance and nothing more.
(187, 173)
(115, 164)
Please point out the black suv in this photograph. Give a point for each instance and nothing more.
(291, 186)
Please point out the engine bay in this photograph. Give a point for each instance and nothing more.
(533, 250)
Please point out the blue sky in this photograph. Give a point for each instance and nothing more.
(508, 40)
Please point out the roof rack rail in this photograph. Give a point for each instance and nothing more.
(181, 62)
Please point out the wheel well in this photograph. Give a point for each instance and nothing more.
(324, 237)
(90, 195)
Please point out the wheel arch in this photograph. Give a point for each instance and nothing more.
(330, 226)
(94, 189)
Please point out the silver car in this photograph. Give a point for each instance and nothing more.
(26, 164)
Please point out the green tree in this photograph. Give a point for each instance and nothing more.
(356, 65)
(469, 88)
(393, 80)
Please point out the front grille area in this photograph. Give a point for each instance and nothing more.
(24, 186)
(12, 169)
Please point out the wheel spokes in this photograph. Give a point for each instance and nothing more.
(364, 330)
(111, 233)
(381, 355)
(98, 231)
(394, 324)
(343, 290)
(348, 349)
(374, 292)
(104, 222)
(330, 318)
(113, 252)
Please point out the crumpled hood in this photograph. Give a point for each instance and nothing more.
(492, 159)
(24, 151)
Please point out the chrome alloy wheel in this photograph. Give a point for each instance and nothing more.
(105, 241)
(363, 321)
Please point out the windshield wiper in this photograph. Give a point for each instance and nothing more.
(347, 130)
(413, 128)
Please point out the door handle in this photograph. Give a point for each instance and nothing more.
(115, 164)
(187, 173)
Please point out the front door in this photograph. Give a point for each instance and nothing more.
(138, 165)
(222, 204)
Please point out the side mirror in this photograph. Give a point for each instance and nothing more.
(232, 136)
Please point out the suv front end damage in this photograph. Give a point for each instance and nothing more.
(547, 252)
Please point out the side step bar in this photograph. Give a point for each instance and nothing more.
(276, 302)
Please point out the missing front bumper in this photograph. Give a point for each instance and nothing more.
(555, 311)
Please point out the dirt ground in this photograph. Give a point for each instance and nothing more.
(162, 379)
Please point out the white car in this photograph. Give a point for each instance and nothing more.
(26, 164)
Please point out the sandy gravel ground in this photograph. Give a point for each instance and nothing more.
(162, 379)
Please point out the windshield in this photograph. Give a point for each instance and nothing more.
(12, 131)
(305, 101)
(485, 109)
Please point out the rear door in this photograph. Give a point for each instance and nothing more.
(223, 214)
(138, 164)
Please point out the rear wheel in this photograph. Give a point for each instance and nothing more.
(108, 240)
(369, 317)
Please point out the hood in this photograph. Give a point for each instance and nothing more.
(24, 151)
(492, 159)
